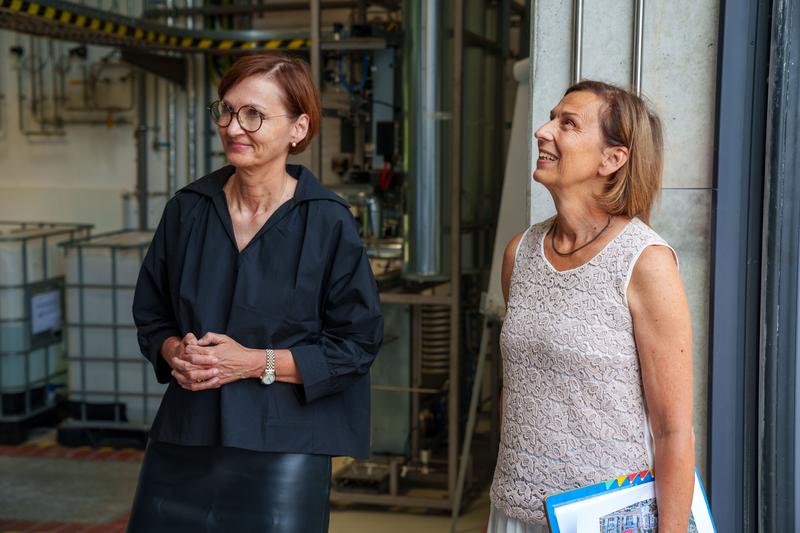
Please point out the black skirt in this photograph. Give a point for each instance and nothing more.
(218, 489)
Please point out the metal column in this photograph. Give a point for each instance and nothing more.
(780, 340)
(455, 253)
(735, 269)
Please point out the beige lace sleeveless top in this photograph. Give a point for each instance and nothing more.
(573, 406)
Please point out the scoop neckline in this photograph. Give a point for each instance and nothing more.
(549, 225)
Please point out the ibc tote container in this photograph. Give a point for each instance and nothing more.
(111, 385)
(31, 320)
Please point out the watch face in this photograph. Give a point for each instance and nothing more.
(268, 379)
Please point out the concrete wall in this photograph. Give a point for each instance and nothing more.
(679, 74)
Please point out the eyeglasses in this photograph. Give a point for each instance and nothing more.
(249, 118)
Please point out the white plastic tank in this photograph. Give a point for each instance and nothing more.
(31, 312)
(106, 367)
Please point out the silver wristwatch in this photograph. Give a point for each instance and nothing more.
(268, 377)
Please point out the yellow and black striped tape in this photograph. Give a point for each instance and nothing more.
(148, 37)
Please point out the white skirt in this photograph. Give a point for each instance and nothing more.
(500, 522)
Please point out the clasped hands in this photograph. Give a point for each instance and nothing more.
(211, 361)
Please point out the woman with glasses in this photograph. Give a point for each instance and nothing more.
(257, 304)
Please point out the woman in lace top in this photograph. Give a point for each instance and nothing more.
(596, 343)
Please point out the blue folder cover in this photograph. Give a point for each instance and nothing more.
(555, 501)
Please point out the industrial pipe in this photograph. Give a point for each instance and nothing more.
(638, 44)
(577, 40)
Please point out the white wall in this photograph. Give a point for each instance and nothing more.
(78, 178)
(679, 74)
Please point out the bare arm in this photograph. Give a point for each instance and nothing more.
(509, 258)
(662, 328)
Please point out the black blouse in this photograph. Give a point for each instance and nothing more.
(302, 283)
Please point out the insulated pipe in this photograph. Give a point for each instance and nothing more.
(427, 225)
(638, 43)
(577, 40)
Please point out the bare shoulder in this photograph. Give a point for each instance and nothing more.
(511, 247)
(655, 264)
(509, 258)
(655, 280)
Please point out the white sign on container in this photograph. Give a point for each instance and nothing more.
(46, 311)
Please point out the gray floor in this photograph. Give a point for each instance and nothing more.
(61, 490)
(99, 491)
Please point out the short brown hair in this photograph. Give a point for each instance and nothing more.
(292, 75)
(627, 120)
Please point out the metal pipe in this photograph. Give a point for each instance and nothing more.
(470, 429)
(54, 100)
(416, 376)
(415, 390)
(207, 130)
(36, 89)
(21, 97)
(156, 124)
(141, 152)
(455, 251)
(426, 245)
(638, 43)
(316, 70)
(577, 40)
(172, 139)
(191, 107)
(115, 338)
(244, 9)
(172, 130)
(3, 120)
